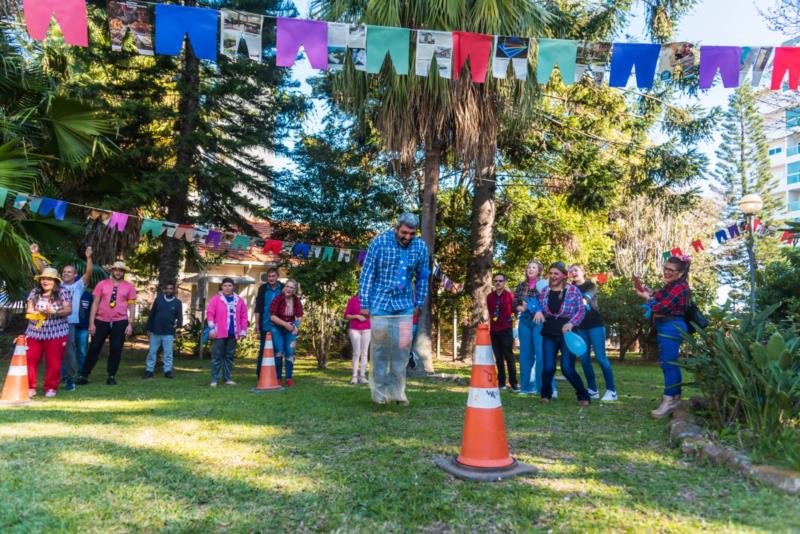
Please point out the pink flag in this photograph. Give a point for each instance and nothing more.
(118, 221)
(70, 16)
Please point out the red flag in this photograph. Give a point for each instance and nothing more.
(698, 245)
(273, 245)
(676, 252)
(475, 46)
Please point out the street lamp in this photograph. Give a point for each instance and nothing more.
(750, 205)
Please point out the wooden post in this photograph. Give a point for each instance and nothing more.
(438, 333)
(455, 334)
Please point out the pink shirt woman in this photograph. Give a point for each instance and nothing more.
(359, 332)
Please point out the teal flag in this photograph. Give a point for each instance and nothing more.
(327, 255)
(34, 204)
(554, 52)
(395, 41)
(3, 194)
(240, 242)
(149, 226)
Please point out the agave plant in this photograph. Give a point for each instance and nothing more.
(749, 374)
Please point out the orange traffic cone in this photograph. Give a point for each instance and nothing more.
(484, 450)
(267, 378)
(15, 390)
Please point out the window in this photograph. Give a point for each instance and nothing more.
(793, 118)
(793, 172)
(776, 150)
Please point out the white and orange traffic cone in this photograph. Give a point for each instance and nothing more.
(267, 377)
(484, 450)
(15, 390)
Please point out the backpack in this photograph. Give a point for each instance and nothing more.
(693, 316)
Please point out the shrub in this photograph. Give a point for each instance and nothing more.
(750, 375)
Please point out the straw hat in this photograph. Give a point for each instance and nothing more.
(119, 265)
(48, 272)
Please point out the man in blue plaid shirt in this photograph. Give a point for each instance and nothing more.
(396, 264)
(393, 287)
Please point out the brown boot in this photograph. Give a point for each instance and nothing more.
(668, 403)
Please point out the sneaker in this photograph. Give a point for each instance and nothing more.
(593, 394)
(168, 374)
(82, 380)
(230, 383)
(354, 380)
(514, 389)
(147, 374)
(363, 380)
(213, 384)
(31, 392)
(70, 385)
(50, 393)
(583, 403)
(554, 395)
(111, 381)
(544, 401)
(610, 396)
(289, 382)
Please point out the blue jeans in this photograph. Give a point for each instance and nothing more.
(550, 346)
(222, 351)
(668, 335)
(530, 356)
(156, 341)
(595, 338)
(81, 346)
(283, 342)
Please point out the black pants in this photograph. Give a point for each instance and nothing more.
(503, 348)
(116, 334)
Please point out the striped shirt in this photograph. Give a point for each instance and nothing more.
(51, 328)
(391, 273)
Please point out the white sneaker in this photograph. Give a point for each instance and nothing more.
(593, 394)
(610, 396)
(554, 395)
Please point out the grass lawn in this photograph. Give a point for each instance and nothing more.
(177, 456)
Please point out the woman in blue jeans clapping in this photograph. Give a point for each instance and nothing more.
(593, 332)
(285, 313)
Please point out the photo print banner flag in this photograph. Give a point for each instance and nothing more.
(124, 17)
(173, 23)
(236, 27)
(70, 15)
(755, 59)
(593, 60)
(513, 50)
(436, 46)
(343, 37)
(677, 61)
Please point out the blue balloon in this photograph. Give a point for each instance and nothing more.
(575, 343)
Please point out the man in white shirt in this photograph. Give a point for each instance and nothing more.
(76, 286)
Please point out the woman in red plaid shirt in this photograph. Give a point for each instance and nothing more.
(668, 306)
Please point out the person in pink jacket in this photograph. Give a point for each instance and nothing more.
(227, 320)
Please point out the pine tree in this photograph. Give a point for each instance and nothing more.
(743, 168)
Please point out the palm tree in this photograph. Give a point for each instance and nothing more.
(47, 136)
(423, 114)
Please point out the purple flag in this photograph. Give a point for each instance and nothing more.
(312, 35)
(213, 237)
(723, 58)
(362, 255)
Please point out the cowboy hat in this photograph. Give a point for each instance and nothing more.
(119, 265)
(48, 272)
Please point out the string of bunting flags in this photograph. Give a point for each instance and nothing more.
(161, 28)
(202, 235)
(732, 232)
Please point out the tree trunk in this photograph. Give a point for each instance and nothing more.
(482, 249)
(185, 158)
(434, 151)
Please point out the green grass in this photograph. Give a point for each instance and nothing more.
(177, 456)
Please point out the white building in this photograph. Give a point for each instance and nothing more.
(781, 112)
